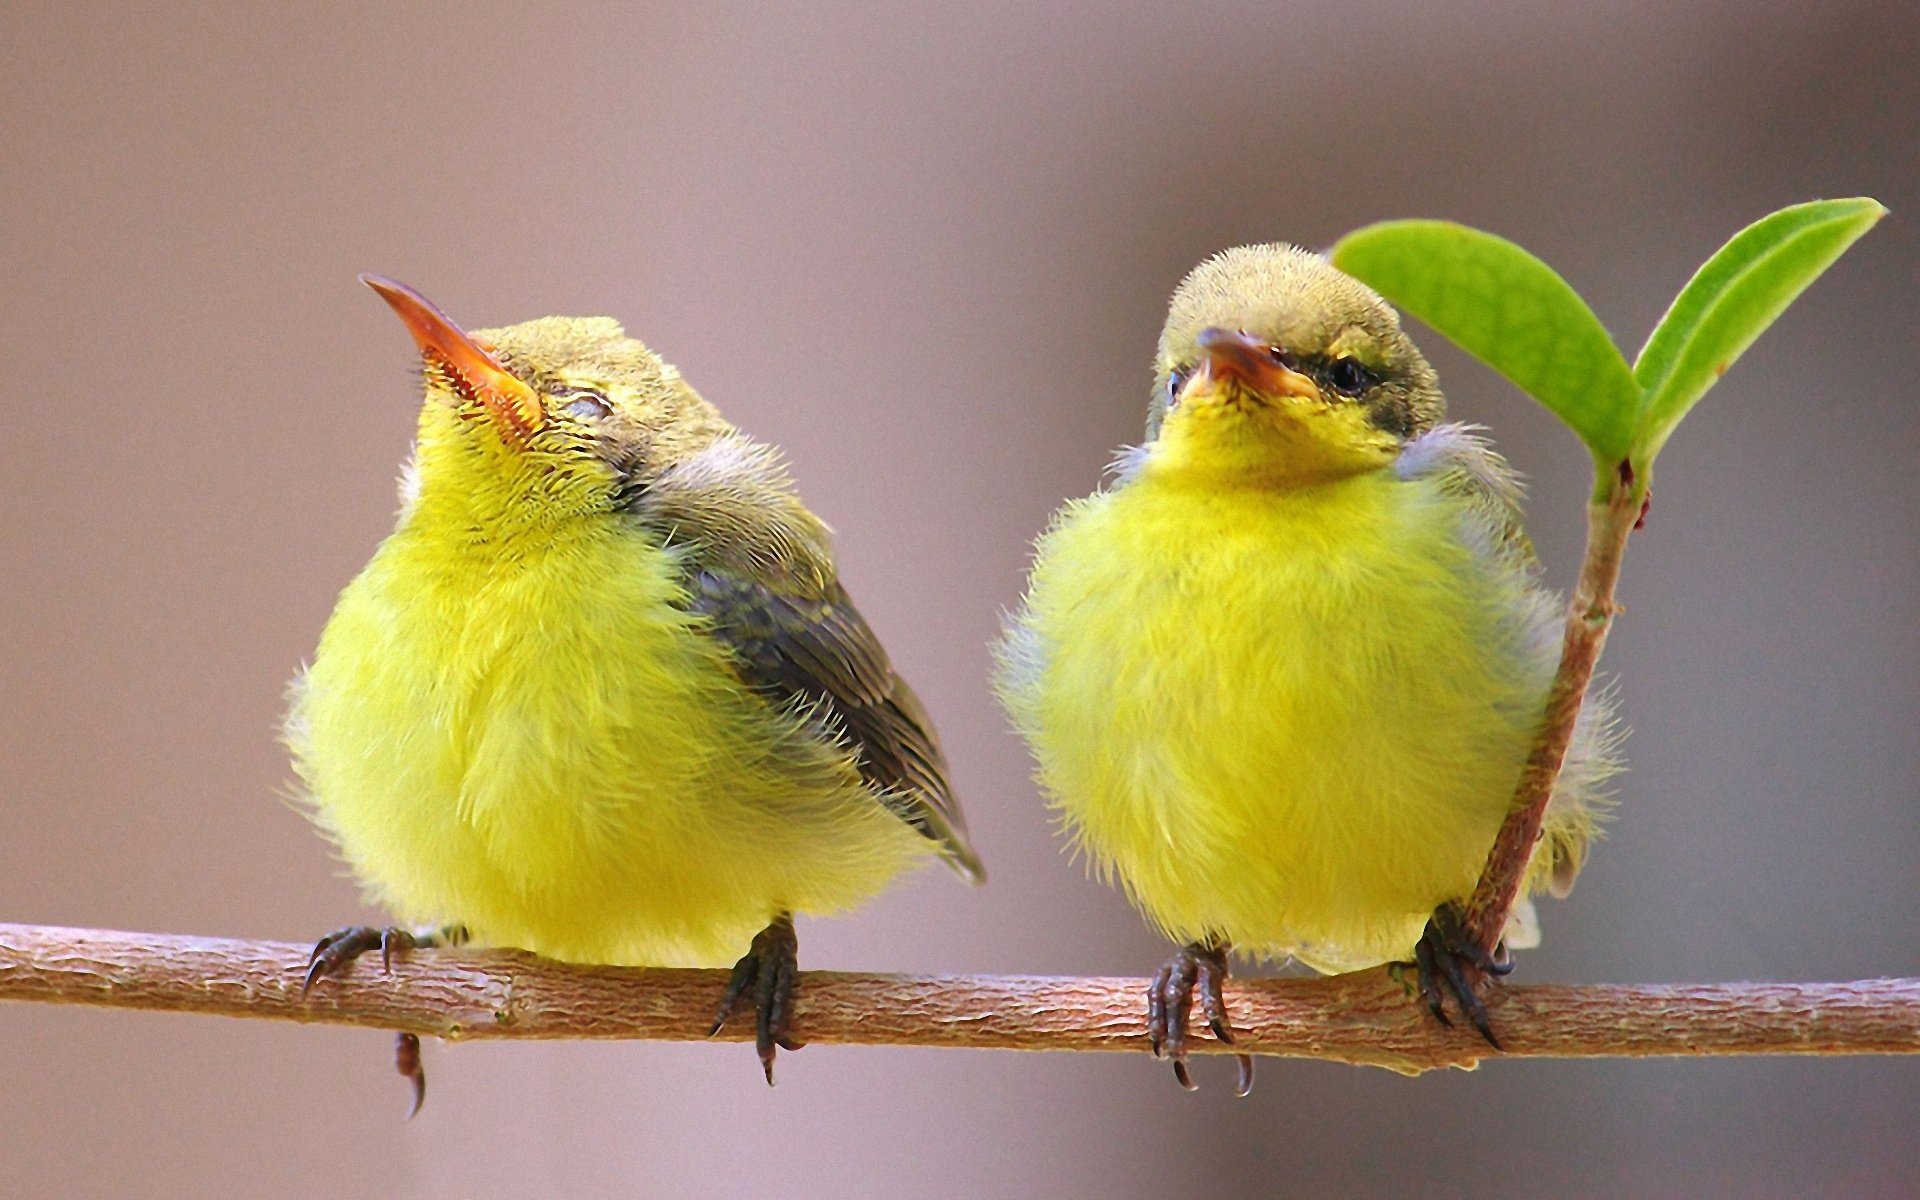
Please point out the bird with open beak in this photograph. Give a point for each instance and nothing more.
(601, 695)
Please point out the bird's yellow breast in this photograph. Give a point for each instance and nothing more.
(1290, 717)
(538, 741)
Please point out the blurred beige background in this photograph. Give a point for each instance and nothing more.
(927, 254)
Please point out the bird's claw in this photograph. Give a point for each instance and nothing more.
(1446, 958)
(406, 1060)
(334, 953)
(1201, 969)
(770, 969)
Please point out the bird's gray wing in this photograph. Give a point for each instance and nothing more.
(813, 651)
(757, 565)
(1467, 467)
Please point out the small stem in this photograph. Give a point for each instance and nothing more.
(1362, 1018)
(1611, 517)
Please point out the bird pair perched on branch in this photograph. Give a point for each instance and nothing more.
(602, 696)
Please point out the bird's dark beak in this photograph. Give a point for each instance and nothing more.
(468, 365)
(1230, 354)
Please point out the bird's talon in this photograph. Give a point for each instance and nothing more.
(336, 952)
(1447, 961)
(1157, 1012)
(1428, 974)
(1195, 972)
(770, 969)
(1500, 965)
(392, 938)
(1209, 978)
(406, 1060)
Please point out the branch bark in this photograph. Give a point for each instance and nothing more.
(1367, 1018)
(1611, 518)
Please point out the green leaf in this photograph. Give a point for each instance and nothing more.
(1509, 310)
(1731, 300)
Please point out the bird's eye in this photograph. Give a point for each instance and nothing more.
(1348, 377)
(587, 403)
(1176, 379)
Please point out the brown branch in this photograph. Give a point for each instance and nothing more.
(1365, 1018)
(1610, 519)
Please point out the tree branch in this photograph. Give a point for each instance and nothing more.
(1611, 518)
(1368, 1017)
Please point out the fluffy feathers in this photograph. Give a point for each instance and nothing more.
(1279, 685)
(601, 695)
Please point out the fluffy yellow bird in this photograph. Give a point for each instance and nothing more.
(1280, 678)
(601, 695)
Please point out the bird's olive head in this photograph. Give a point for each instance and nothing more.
(546, 419)
(1274, 364)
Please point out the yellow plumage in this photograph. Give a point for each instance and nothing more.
(600, 695)
(1289, 720)
(546, 747)
(1281, 678)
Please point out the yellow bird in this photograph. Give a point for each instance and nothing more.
(1280, 678)
(601, 694)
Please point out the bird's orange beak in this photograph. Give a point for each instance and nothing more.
(1229, 354)
(467, 364)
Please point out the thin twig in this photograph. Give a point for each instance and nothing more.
(1363, 1018)
(1611, 517)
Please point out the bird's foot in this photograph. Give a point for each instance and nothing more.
(1448, 959)
(769, 970)
(406, 1060)
(334, 953)
(1198, 968)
